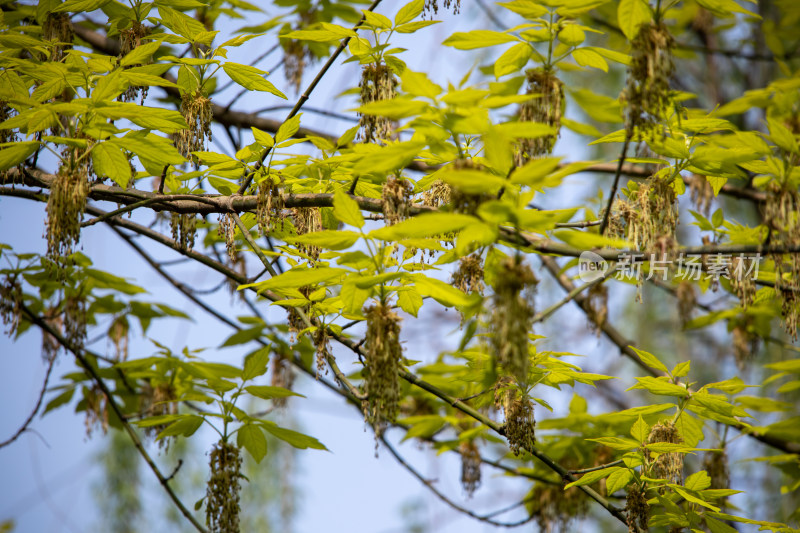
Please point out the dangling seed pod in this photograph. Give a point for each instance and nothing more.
(668, 465)
(469, 275)
(745, 341)
(647, 91)
(222, 492)
(598, 307)
(378, 83)
(226, 230)
(158, 401)
(118, 335)
(742, 282)
(64, 211)
(637, 509)
(58, 30)
(438, 194)
(649, 218)
(131, 39)
(512, 316)
(554, 507)
(196, 110)
(75, 306)
(322, 345)
(686, 301)
(701, 193)
(396, 200)
(96, 405)
(10, 302)
(50, 345)
(282, 376)
(269, 205)
(382, 363)
(716, 465)
(308, 220)
(518, 411)
(432, 6)
(547, 108)
(782, 217)
(470, 466)
(184, 226)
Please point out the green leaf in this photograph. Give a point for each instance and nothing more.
(781, 136)
(288, 129)
(243, 336)
(526, 8)
(687, 495)
(14, 154)
(255, 364)
(140, 54)
(571, 35)
(631, 14)
(698, 481)
(409, 301)
(513, 60)
(109, 161)
(263, 138)
(618, 480)
(251, 438)
(180, 23)
(346, 210)
(251, 78)
(478, 39)
(445, 293)
(62, 399)
(681, 369)
(297, 278)
(376, 20)
(640, 430)
(589, 58)
(592, 477)
(185, 426)
(409, 12)
(424, 225)
(661, 387)
(471, 181)
(268, 392)
(298, 440)
(650, 359)
(79, 6)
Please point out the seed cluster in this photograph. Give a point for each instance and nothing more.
(469, 275)
(118, 335)
(648, 218)
(269, 205)
(196, 111)
(222, 492)
(158, 401)
(64, 211)
(744, 286)
(378, 83)
(637, 509)
(437, 195)
(652, 66)
(432, 6)
(323, 347)
(282, 376)
(668, 465)
(782, 217)
(10, 300)
(383, 357)
(470, 466)
(226, 229)
(396, 200)
(597, 298)
(745, 341)
(511, 318)
(184, 226)
(716, 465)
(686, 301)
(308, 220)
(96, 409)
(518, 411)
(701, 193)
(554, 507)
(546, 108)
(75, 307)
(130, 39)
(58, 30)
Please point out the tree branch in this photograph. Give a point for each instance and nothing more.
(36, 408)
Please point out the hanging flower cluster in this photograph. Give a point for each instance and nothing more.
(378, 83)
(383, 356)
(222, 491)
(546, 107)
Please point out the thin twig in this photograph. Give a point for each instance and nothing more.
(36, 408)
(79, 355)
(615, 185)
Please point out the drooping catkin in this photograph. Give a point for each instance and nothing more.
(512, 317)
(378, 83)
(222, 491)
(546, 107)
(383, 357)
